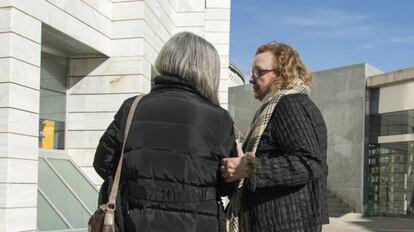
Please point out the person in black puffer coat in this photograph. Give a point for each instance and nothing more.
(170, 177)
(284, 166)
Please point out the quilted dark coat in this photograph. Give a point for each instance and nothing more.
(291, 171)
(170, 176)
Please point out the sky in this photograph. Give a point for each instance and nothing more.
(326, 33)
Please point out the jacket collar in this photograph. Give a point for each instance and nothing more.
(172, 82)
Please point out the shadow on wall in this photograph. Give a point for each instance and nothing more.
(83, 67)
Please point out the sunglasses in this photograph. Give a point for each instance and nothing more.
(256, 73)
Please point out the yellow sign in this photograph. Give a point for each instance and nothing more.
(48, 133)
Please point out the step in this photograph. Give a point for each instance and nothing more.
(340, 210)
(334, 200)
(331, 195)
(338, 205)
(336, 214)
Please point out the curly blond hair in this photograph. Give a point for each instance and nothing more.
(288, 64)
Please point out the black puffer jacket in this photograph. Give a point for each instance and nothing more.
(291, 171)
(170, 178)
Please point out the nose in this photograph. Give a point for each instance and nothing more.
(251, 79)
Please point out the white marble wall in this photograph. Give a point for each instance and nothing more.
(97, 86)
(128, 33)
(210, 19)
(217, 28)
(83, 20)
(19, 108)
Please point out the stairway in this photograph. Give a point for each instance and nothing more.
(336, 206)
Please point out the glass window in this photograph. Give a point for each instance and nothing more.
(394, 123)
(391, 175)
(53, 86)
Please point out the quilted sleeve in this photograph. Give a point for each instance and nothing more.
(300, 159)
(109, 147)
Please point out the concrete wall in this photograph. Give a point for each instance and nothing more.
(127, 35)
(395, 90)
(242, 107)
(340, 95)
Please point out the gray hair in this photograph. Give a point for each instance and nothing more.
(192, 58)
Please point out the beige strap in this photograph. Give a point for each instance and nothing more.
(115, 185)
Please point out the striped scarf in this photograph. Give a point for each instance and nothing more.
(256, 129)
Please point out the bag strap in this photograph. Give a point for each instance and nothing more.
(115, 185)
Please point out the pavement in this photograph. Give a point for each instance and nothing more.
(353, 222)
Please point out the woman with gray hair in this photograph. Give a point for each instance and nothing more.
(170, 176)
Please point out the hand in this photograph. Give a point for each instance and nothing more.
(233, 169)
